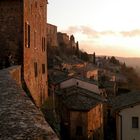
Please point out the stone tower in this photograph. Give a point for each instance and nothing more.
(23, 35)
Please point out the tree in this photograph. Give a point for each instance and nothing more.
(114, 60)
(77, 49)
(84, 56)
(94, 58)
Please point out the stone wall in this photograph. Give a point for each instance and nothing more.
(95, 122)
(78, 119)
(23, 41)
(52, 35)
(11, 30)
(15, 72)
(35, 57)
(91, 123)
(63, 39)
(19, 117)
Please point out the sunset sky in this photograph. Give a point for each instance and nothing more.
(108, 27)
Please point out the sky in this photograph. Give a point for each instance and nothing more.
(107, 27)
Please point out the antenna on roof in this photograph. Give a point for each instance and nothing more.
(77, 84)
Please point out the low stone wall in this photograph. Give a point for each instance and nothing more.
(19, 117)
(15, 73)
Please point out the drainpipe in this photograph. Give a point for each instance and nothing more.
(120, 125)
(115, 86)
(53, 90)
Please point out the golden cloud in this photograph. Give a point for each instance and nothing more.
(88, 31)
(131, 33)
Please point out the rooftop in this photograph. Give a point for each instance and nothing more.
(126, 100)
(76, 98)
(82, 79)
(57, 76)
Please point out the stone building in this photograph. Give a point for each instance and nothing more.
(126, 108)
(35, 60)
(51, 36)
(11, 31)
(63, 39)
(23, 39)
(52, 44)
(72, 42)
(81, 82)
(81, 114)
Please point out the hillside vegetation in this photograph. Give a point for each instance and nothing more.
(66, 54)
(132, 62)
(132, 77)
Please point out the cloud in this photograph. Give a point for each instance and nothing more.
(72, 30)
(107, 33)
(121, 43)
(131, 33)
(110, 50)
(86, 30)
(91, 33)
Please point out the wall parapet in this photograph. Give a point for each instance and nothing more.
(19, 117)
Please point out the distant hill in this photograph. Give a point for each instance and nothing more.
(133, 62)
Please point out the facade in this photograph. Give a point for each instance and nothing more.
(35, 60)
(11, 32)
(63, 39)
(127, 111)
(52, 44)
(72, 42)
(93, 74)
(51, 36)
(81, 114)
(23, 39)
(75, 81)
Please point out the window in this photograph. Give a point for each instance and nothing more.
(36, 4)
(135, 122)
(79, 131)
(27, 35)
(43, 68)
(43, 43)
(35, 39)
(35, 69)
